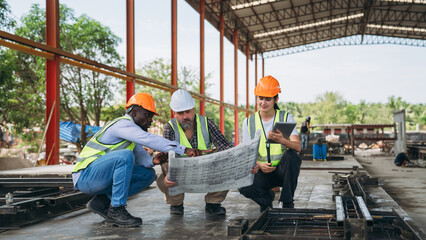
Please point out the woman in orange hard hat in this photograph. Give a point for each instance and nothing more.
(279, 164)
(114, 164)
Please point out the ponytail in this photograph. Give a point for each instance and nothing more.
(275, 104)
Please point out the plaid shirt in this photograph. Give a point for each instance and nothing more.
(216, 136)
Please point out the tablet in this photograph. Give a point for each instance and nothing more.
(285, 128)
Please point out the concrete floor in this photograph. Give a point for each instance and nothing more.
(314, 191)
(406, 185)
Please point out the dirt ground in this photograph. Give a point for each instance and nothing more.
(406, 185)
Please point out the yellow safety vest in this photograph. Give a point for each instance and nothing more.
(203, 138)
(94, 148)
(254, 122)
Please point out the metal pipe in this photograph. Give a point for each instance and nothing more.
(77, 60)
(263, 67)
(247, 76)
(174, 42)
(174, 47)
(255, 79)
(202, 85)
(52, 82)
(236, 86)
(222, 109)
(130, 64)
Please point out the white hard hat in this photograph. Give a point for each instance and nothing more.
(181, 101)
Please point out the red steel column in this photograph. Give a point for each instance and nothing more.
(236, 86)
(255, 79)
(174, 43)
(174, 46)
(202, 86)
(52, 84)
(222, 109)
(130, 66)
(247, 77)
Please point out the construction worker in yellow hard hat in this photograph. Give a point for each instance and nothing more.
(278, 162)
(114, 164)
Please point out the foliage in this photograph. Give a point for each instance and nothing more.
(6, 21)
(83, 92)
(331, 107)
(160, 70)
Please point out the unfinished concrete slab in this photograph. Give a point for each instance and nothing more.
(406, 185)
(42, 171)
(314, 191)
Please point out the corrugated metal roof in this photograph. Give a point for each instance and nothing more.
(271, 25)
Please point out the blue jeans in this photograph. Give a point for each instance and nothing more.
(305, 141)
(116, 175)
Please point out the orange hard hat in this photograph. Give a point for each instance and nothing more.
(144, 100)
(267, 87)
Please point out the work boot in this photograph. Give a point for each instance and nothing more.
(269, 205)
(119, 216)
(99, 204)
(287, 205)
(263, 208)
(176, 210)
(272, 195)
(215, 209)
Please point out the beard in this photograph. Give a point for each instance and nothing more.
(185, 123)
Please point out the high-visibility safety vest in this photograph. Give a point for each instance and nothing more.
(203, 138)
(254, 123)
(95, 149)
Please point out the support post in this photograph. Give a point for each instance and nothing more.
(236, 86)
(202, 85)
(52, 83)
(222, 110)
(255, 79)
(174, 46)
(263, 67)
(130, 64)
(247, 77)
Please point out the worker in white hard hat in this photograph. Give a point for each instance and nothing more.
(192, 131)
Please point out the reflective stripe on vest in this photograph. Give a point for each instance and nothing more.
(203, 138)
(254, 122)
(94, 148)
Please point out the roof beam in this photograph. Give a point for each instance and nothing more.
(369, 5)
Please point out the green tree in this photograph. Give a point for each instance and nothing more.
(160, 70)
(330, 106)
(6, 21)
(83, 92)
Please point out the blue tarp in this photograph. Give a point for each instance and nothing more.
(70, 131)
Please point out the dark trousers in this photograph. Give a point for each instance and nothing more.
(285, 176)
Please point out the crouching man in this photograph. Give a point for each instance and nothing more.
(114, 165)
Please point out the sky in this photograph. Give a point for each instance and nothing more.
(371, 73)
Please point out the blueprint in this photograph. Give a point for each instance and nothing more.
(229, 169)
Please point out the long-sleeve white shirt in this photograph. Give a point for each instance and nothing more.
(128, 130)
